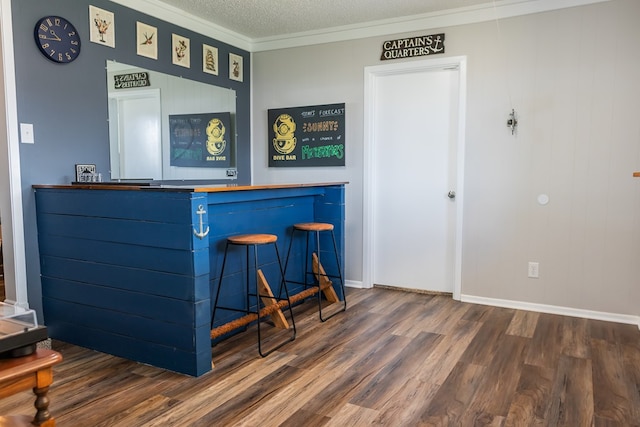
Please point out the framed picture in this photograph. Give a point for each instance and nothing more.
(235, 67)
(102, 27)
(85, 173)
(146, 40)
(180, 50)
(307, 136)
(210, 63)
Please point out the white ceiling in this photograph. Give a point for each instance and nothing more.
(259, 19)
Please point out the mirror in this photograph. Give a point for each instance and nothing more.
(163, 127)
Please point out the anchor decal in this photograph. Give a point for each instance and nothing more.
(203, 233)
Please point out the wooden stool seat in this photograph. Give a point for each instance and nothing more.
(313, 226)
(253, 239)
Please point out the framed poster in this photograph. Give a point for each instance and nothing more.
(146, 40)
(201, 140)
(307, 136)
(103, 29)
(235, 67)
(210, 59)
(180, 51)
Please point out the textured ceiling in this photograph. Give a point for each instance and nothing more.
(258, 19)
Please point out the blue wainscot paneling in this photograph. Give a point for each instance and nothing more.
(123, 271)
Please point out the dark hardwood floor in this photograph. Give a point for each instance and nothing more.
(393, 358)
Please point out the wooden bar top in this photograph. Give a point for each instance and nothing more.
(198, 188)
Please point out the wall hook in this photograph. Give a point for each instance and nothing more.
(202, 233)
(513, 121)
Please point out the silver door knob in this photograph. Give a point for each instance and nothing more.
(452, 194)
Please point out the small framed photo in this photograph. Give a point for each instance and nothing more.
(210, 59)
(146, 40)
(180, 50)
(235, 67)
(102, 27)
(85, 173)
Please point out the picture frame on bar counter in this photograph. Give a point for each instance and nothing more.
(85, 172)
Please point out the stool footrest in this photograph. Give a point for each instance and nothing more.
(245, 320)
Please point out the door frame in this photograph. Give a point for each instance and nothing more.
(11, 207)
(371, 74)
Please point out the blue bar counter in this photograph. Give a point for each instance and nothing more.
(130, 270)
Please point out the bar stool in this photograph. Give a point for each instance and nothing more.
(273, 304)
(319, 276)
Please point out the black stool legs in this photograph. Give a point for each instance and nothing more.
(263, 295)
(318, 276)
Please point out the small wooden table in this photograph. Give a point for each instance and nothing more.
(22, 373)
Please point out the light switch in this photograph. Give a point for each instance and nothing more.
(26, 133)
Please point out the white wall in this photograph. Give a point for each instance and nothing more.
(572, 76)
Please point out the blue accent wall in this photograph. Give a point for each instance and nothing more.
(67, 103)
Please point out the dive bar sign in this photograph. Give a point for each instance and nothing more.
(307, 136)
(413, 46)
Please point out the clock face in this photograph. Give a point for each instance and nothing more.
(57, 39)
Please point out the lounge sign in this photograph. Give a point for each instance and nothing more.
(413, 46)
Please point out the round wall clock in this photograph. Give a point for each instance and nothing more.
(57, 39)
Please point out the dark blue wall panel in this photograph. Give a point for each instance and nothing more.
(67, 103)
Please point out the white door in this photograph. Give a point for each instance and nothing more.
(414, 125)
(139, 145)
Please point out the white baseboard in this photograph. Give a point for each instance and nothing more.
(354, 284)
(553, 309)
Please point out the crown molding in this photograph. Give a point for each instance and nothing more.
(179, 17)
(468, 15)
(492, 10)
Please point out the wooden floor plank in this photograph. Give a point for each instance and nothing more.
(353, 415)
(305, 418)
(392, 359)
(546, 343)
(532, 397)
(482, 349)
(454, 396)
(523, 324)
(572, 396)
(501, 379)
(408, 404)
(446, 355)
(575, 338)
(389, 380)
(365, 363)
(612, 400)
(631, 369)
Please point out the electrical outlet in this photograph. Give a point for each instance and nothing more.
(533, 270)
